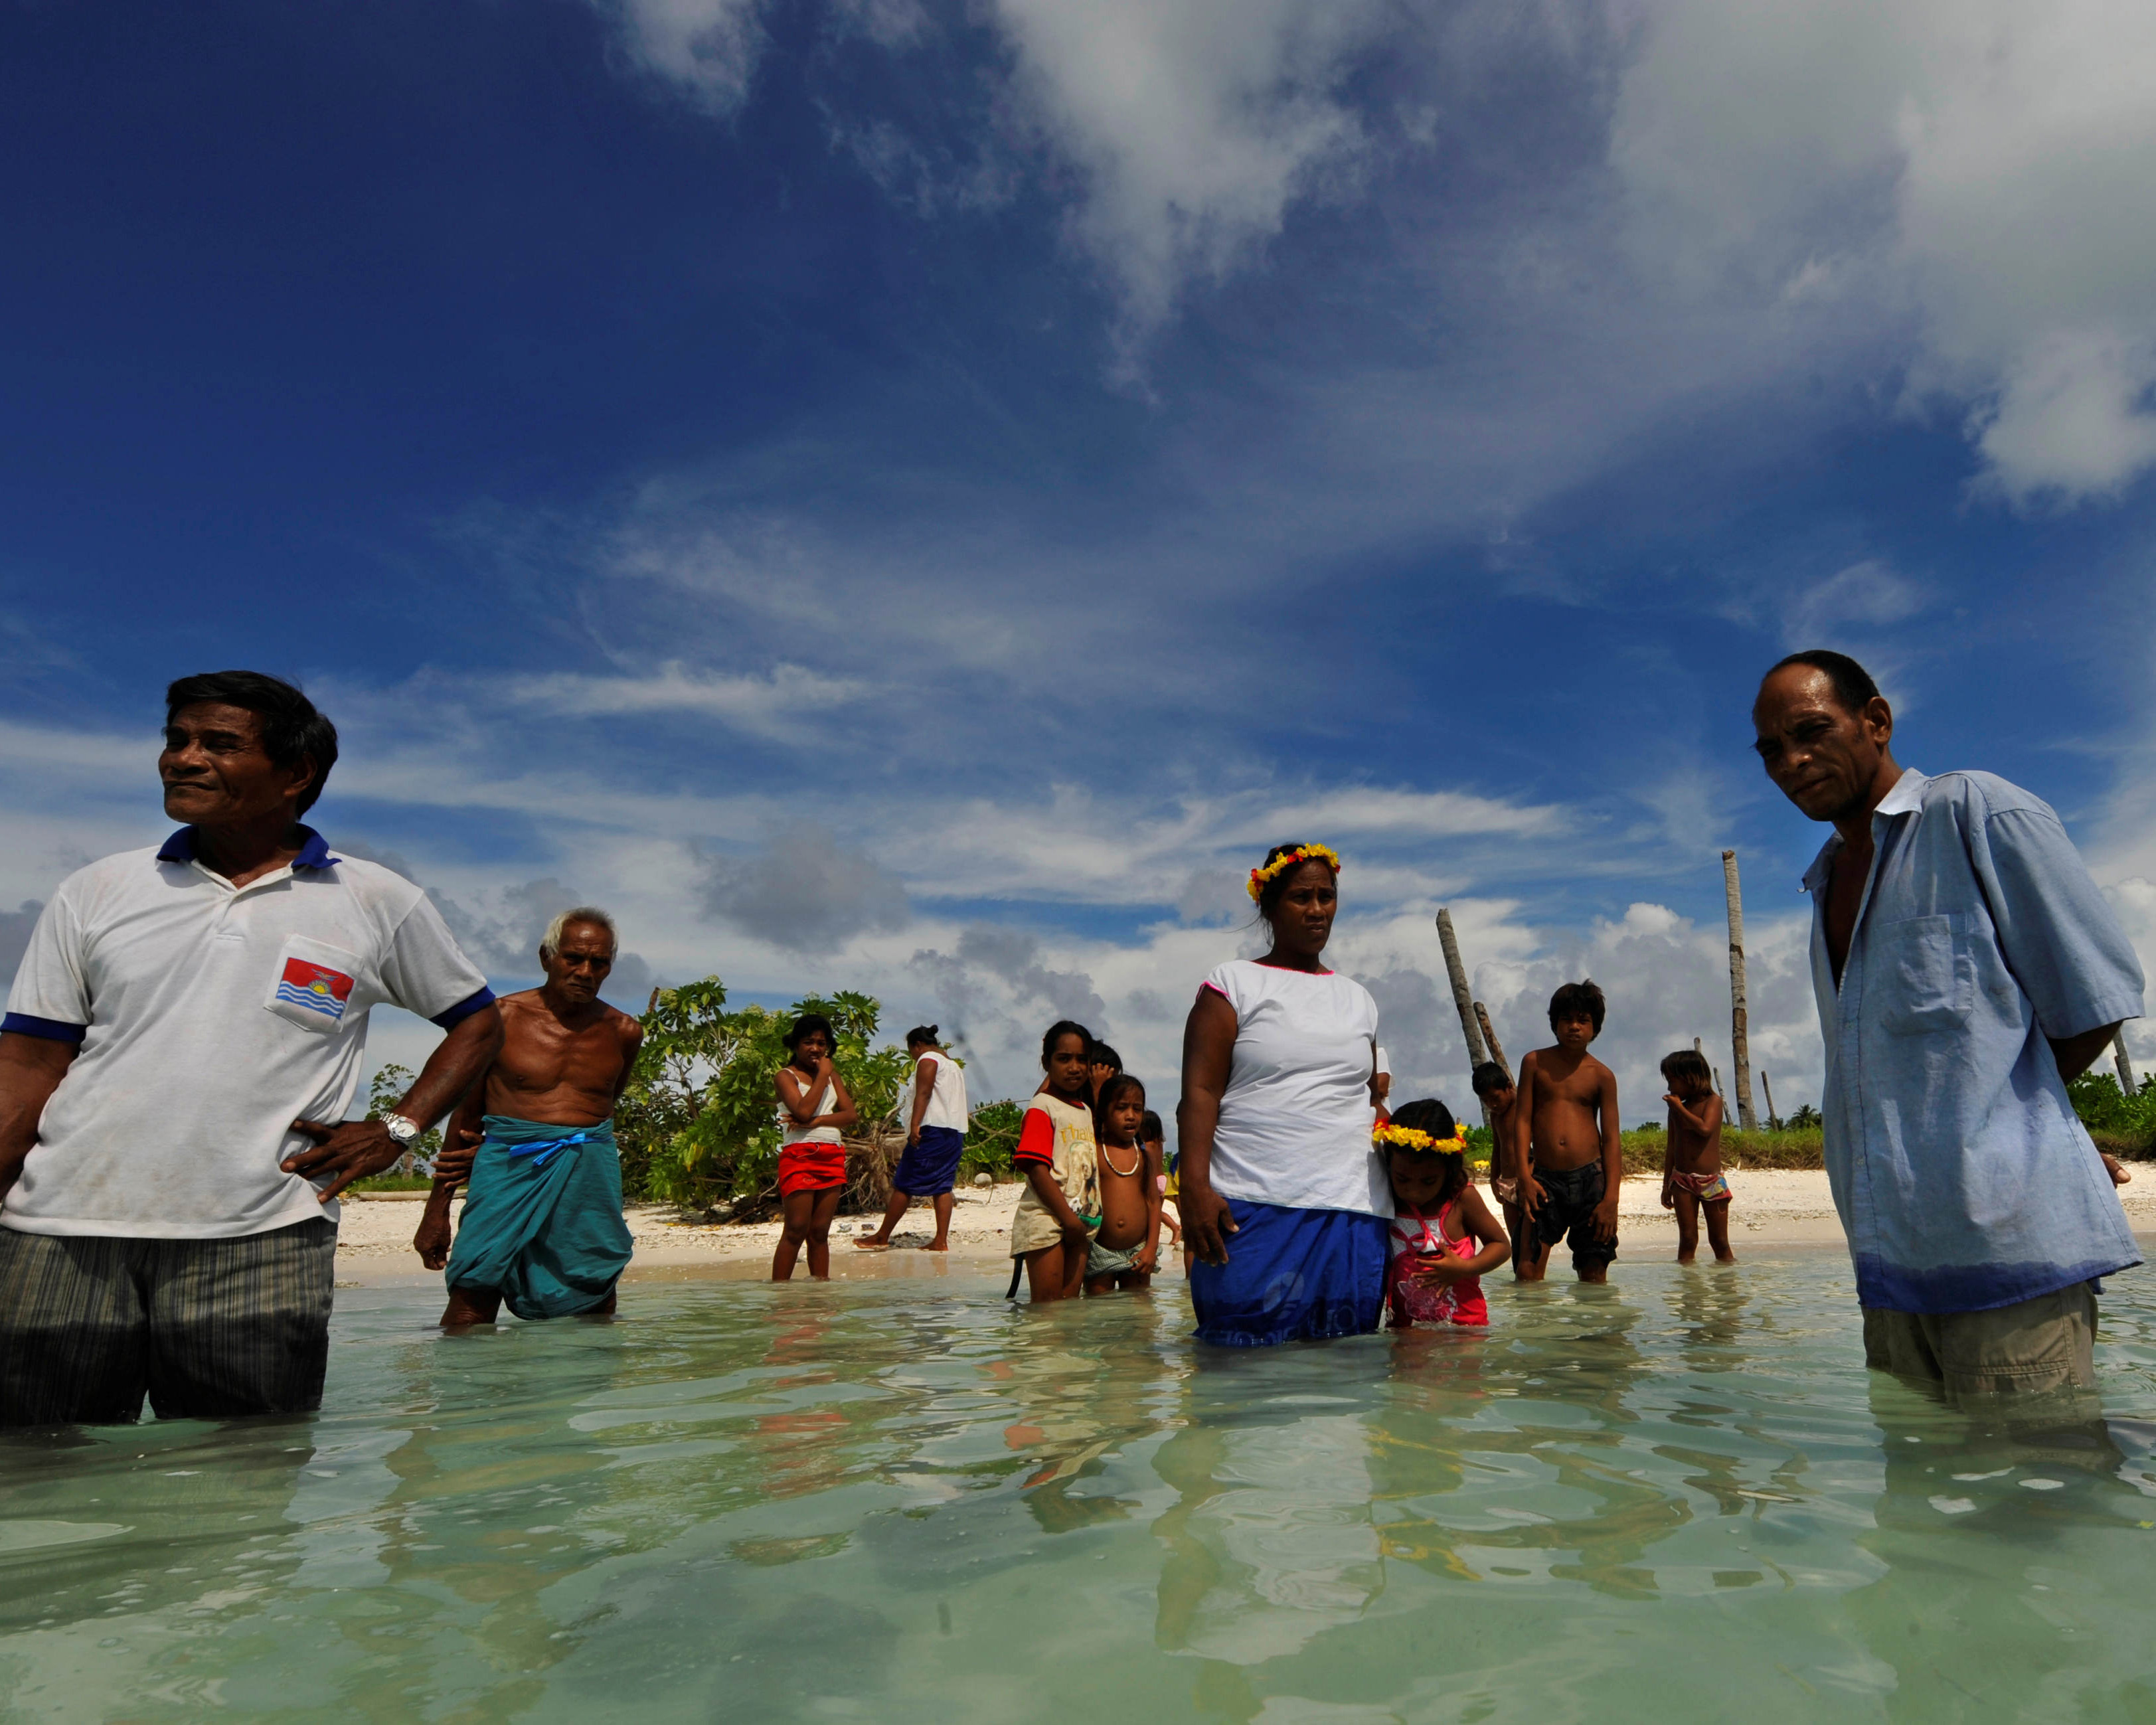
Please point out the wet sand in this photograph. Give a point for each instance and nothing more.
(1769, 1208)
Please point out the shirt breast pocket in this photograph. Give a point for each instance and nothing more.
(1921, 978)
(315, 985)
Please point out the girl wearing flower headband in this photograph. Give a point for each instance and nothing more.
(1444, 1240)
(1284, 1202)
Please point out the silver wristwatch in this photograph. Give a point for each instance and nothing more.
(401, 1129)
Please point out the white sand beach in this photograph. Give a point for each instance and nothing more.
(1770, 1209)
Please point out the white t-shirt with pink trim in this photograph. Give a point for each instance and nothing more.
(1296, 1119)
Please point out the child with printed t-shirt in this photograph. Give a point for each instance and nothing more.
(1052, 1231)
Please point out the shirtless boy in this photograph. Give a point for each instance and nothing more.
(1691, 1165)
(542, 1226)
(1564, 1136)
(1493, 1085)
(1126, 1252)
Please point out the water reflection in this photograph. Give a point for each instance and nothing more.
(1674, 1497)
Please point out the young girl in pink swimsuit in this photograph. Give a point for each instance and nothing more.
(1444, 1238)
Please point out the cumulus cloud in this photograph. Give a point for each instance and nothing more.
(499, 929)
(995, 986)
(2071, 418)
(805, 892)
(1974, 168)
(1667, 981)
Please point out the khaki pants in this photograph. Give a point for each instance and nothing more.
(2047, 1343)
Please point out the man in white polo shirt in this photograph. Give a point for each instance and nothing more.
(182, 1042)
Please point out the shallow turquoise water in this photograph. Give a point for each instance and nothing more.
(1675, 1498)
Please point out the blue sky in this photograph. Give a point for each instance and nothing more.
(918, 497)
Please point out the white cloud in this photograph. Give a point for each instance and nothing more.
(1976, 169)
(1421, 813)
(1195, 123)
(775, 701)
(708, 48)
(2071, 419)
(1864, 595)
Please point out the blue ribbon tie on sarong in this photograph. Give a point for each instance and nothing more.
(542, 1220)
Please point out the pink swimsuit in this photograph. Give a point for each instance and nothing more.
(1414, 1239)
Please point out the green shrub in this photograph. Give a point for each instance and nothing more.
(409, 1172)
(2123, 1125)
(991, 1135)
(1790, 1148)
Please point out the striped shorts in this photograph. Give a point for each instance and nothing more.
(206, 1328)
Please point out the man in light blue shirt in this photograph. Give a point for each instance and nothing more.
(1966, 967)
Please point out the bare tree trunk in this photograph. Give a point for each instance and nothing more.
(1489, 1036)
(1774, 1120)
(1739, 1028)
(1462, 997)
(2124, 1062)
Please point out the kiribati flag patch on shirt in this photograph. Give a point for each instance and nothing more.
(315, 988)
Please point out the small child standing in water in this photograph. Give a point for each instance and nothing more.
(1444, 1238)
(1127, 1250)
(1565, 1152)
(1691, 1163)
(1052, 1231)
(1155, 1136)
(1494, 1088)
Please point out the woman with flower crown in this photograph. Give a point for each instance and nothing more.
(1284, 1200)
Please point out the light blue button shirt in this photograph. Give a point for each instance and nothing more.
(1963, 1179)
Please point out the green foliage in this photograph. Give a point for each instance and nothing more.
(2118, 1122)
(991, 1135)
(1644, 1151)
(699, 1121)
(410, 1168)
(1806, 1119)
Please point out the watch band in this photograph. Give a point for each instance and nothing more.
(402, 1130)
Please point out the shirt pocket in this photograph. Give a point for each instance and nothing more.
(315, 985)
(1919, 979)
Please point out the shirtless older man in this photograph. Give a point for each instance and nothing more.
(542, 1227)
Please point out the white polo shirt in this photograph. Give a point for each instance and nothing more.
(210, 1017)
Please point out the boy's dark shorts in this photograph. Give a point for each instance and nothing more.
(1569, 1197)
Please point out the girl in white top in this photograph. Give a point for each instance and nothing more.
(1284, 1201)
(813, 1112)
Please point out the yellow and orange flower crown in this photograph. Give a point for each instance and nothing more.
(1407, 1137)
(1289, 859)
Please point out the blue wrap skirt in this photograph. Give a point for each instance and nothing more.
(542, 1220)
(1293, 1276)
(930, 1168)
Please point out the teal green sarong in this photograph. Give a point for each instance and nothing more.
(543, 1218)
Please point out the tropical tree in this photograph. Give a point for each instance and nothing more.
(382, 1097)
(698, 1125)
